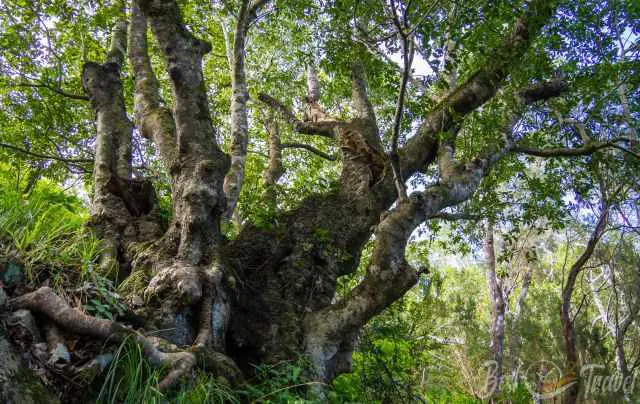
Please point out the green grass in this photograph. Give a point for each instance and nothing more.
(132, 380)
(46, 231)
(44, 236)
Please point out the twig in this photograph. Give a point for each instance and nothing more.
(310, 148)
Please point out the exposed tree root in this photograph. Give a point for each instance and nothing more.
(45, 301)
(182, 284)
(179, 363)
(211, 280)
(206, 312)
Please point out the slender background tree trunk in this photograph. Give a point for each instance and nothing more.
(498, 307)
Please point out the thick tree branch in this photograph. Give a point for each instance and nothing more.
(449, 68)
(183, 53)
(446, 155)
(154, 119)
(389, 275)
(567, 151)
(324, 129)
(475, 91)
(113, 147)
(239, 97)
(313, 111)
(448, 165)
(362, 105)
(543, 91)
(313, 86)
(197, 178)
(103, 84)
(117, 51)
(274, 170)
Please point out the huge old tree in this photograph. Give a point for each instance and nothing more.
(381, 115)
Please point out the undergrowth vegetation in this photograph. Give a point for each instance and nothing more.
(131, 379)
(44, 231)
(428, 347)
(44, 238)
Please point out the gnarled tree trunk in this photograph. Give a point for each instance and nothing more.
(269, 294)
